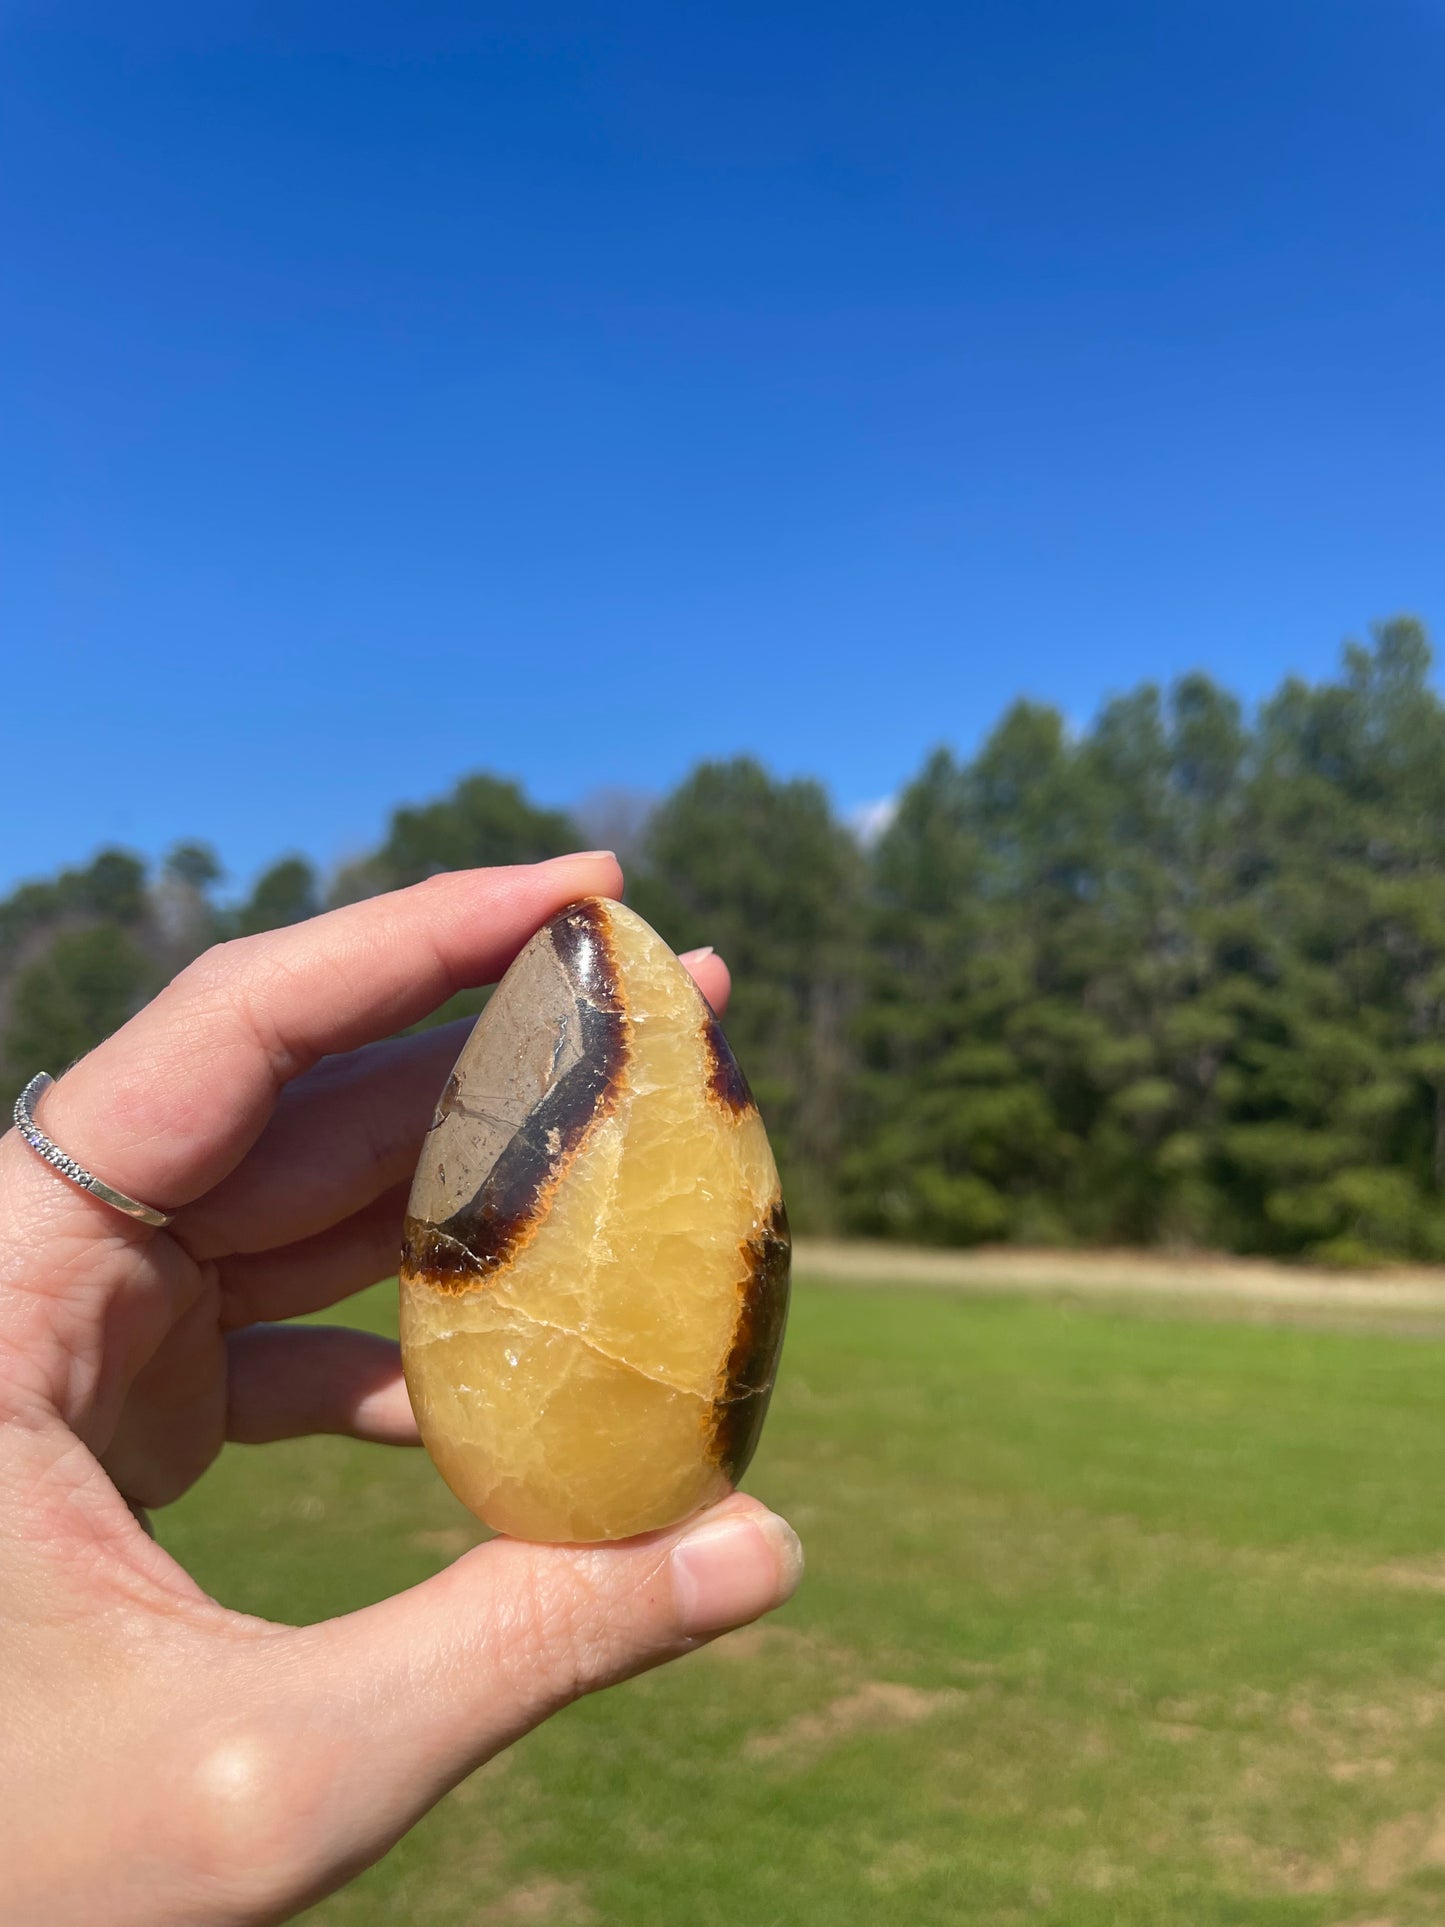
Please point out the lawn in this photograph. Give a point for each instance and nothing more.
(1110, 1618)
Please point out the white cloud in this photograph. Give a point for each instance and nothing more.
(868, 821)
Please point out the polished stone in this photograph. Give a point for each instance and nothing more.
(595, 1276)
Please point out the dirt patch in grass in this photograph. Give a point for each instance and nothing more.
(752, 1644)
(874, 1707)
(1400, 1848)
(1376, 1863)
(1412, 1575)
(543, 1903)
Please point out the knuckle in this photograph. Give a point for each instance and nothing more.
(255, 1825)
(238, 982)
(569, 1630)
(217, 971)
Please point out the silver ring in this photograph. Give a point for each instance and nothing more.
(66, 1165)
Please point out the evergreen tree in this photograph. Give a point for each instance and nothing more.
(1174, 980)
(763, 871)
(485, 820)
(287, 893)
(85, 984)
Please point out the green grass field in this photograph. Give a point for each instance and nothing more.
(1109, 1618)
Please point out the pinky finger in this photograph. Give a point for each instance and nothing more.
(284, 1381)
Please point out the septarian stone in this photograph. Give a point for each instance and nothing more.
(595, 1276)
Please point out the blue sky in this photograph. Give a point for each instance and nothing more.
(390, 391)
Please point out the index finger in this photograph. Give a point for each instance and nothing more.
(164, 1108)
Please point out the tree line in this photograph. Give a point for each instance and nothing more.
(1176, 979)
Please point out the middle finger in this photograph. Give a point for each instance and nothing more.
(342, 1135)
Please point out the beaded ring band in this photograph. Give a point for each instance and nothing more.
(69, 1167)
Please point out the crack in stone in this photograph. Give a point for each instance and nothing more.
(446, 1238)
(487, 1117)
(598, 1351)
(557, 1048)
(605, 1208)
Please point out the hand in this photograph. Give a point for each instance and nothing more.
(164, 1760)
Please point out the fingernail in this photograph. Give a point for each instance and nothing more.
(581, 856)
(696, 956)
(732, 1570)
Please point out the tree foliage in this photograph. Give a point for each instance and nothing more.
(763, 872)
(484, 820)
(83, 986)
(1175, 981)
(287, 893)
(1176, 978)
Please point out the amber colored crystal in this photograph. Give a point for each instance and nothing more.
(595, 1277)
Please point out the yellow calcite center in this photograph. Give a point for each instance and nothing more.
(574, 1392)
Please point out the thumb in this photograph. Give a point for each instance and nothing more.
(386, 1709)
